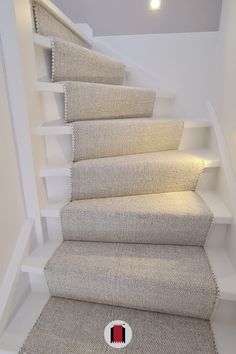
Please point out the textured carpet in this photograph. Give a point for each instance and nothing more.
(135, 229)
(85, 100)
(47, 25)
(169, 279)
(114, 137)
(73, 327)
(76, 63)
(168, 171)
(179, 218)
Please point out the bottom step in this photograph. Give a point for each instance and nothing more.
(224, 327)
(68, 326)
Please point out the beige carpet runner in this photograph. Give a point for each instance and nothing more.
(86, 100)
(168, 171)
(170, 279)
(117, 137)
(165, 218)
(76, 63)
(135, 229)
(66, 326)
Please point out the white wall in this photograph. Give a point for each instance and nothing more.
(126, 17)
(223, 90)
(223, 100)
(180, 63)
(12, 214)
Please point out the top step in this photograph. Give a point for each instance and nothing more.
(50, 21)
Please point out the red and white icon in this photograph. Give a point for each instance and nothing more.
(118, 334)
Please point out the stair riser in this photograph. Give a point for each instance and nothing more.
(215, 238)
(134, 276)
(44, 66)
(53, 106)
(59, 147)
(59, 187)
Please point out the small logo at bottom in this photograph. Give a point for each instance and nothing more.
(118, 334)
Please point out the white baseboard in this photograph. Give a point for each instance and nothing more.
(15, 285)
(229, 183)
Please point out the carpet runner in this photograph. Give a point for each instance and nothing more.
(66, 326)
(159, 172)
(135, 229)
(179, 218)
(163, 278)
(117, 137)
(76, 63)
(86, 100)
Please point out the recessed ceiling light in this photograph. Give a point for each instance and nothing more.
(155, 5)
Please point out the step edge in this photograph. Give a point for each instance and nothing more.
(31, 266)
(63, 129)
(44, 86)
(65, 171)
(211, 198)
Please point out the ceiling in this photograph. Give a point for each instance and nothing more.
(127, 17)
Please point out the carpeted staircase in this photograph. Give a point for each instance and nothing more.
(135, 228)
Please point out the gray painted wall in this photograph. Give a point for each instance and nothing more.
(125, 17)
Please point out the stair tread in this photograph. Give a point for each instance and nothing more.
(148, 173)
(223, 269)
(178, 218)
(221, 214)
(81, 317)
(211, 161)
(13, 337)
(169, 279)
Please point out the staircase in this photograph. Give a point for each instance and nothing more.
(134, 224)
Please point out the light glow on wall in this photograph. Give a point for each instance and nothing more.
(155, 5)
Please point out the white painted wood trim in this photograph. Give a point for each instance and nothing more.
(55, 127)
(7, 289)
(24, 101)
(42, 41)
(220, 212)
(16, 333)
(37, 260)
(49, 87)
(224, 272)
(224, 156)
(56, 171)
(59, 15)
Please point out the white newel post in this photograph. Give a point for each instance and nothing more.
(24, 100)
